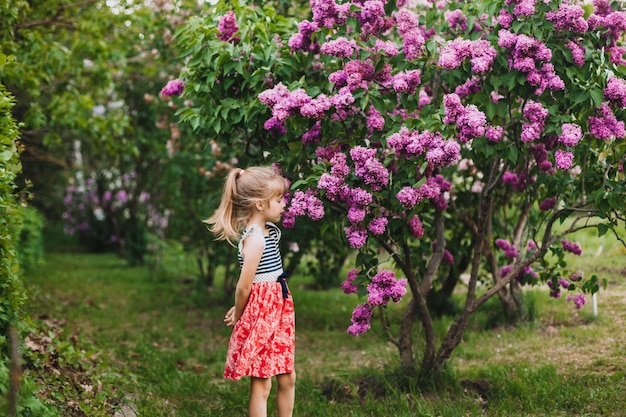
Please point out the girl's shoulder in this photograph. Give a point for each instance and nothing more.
(252, 230)
(274, 230)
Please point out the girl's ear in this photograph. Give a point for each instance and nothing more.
(259, 205)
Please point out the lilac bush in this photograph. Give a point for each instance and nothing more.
(418, 127)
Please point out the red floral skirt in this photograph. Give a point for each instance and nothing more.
(263, 340)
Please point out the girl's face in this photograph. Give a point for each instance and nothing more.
(274, 208)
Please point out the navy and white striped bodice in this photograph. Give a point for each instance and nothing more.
(271, 264)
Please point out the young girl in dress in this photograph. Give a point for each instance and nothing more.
(263, 338)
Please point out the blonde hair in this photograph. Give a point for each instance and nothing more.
(242, 189)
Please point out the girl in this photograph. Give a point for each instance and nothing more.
(263, 340)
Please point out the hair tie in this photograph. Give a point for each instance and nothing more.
(241, 173)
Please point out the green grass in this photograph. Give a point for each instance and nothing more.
(155, 343)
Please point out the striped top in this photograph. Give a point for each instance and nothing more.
(271, 264)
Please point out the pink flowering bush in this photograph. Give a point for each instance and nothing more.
(439, 135)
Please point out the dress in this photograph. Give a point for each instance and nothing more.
(263, 340)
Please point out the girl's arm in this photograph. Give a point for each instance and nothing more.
(252, 251)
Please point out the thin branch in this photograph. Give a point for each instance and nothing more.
(384, 320)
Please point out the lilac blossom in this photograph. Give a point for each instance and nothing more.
(369, 168)
(173, 88)
(456, 20)
(372, 17)
(564, 159)
(570, 134)
(494, 133)
(340, 47)
(606, 125)
(384, 288)
(316, 108)
(578, 53)
(406, 81)
(313, 135)
(547, 204)
(375, 120)
(378, 225)
(615, 92)
(505, 19)
(227, 27)
(328, 13)
(348, 285)
(357, 236)
(510, 251)
(388, 47)
(571, 247)
(569, 17)
(471, 86)
(579, 300)
(361, 317)
(416, 227)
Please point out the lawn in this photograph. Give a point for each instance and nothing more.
(116, 340)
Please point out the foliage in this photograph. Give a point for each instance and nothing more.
(12, 296)
(30, 238)
(474, 127)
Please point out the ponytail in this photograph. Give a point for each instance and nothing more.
(223, 223)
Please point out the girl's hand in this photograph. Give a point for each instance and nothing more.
(229, 319)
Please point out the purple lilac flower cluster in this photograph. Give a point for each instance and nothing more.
(340, 47)
(606, 125)
(384, 288)
(372, 18)
(532, 57)
(522, 7)
(369, 168)
(569, 17)
(416, 227)
(540, 154)
(313, 135)
(302, 40)
(303, 204)
(359, 201)
(456, 20)
(563, 159)
(227, 27)
(409, 197)
(526, 275)
(471, 122)
(413, 40)
(555, 288)
(579, 300)
(547, 204)
(406, 81)
(571, 247)
(510, 251)
(570, 134)
(536, 115)
(410, 144)
(615, 92)
(605, 17)
(328, 13)
(471, 86)
(480, 51)
(361, 317)
(173, 88)
(348, 285)
(578, 52)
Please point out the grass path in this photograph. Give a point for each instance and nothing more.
(157, 344)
